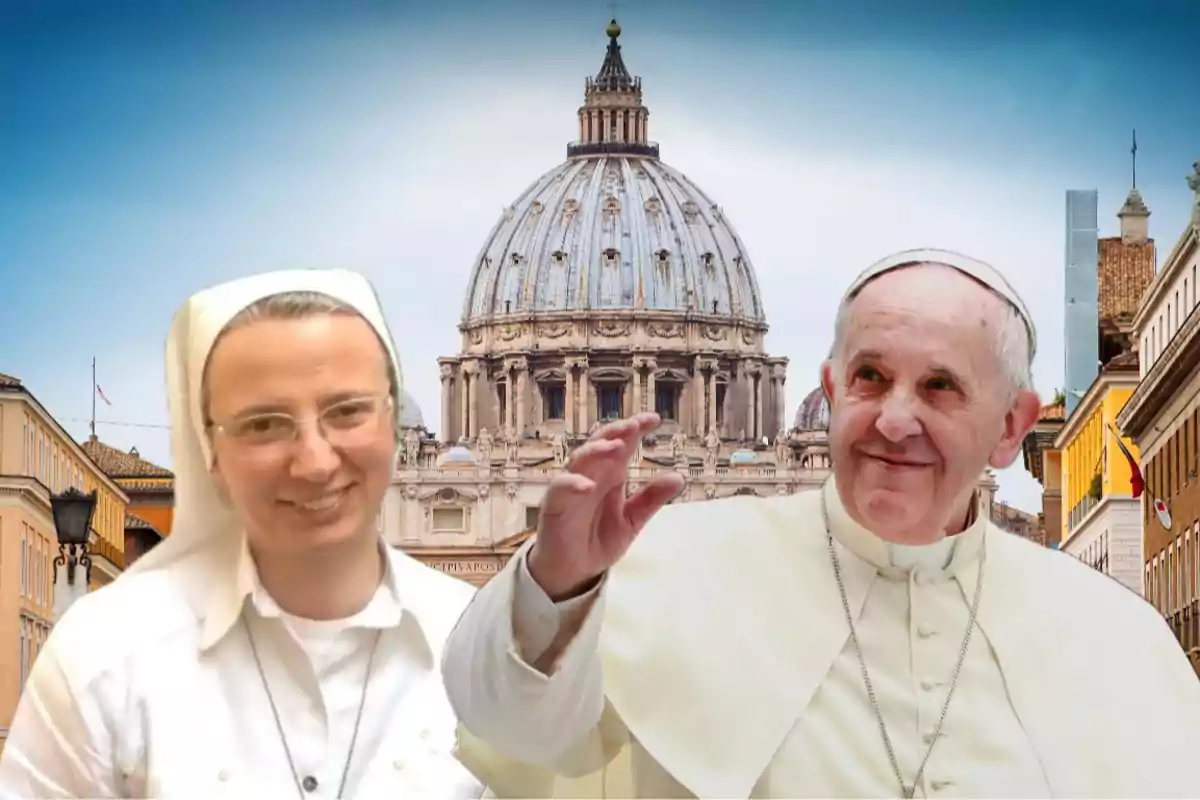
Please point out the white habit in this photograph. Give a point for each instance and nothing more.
(149, 686)
(716, 662)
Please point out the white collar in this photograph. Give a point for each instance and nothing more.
(227, 599)
(945, 556)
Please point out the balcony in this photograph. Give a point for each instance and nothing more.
(647, 150)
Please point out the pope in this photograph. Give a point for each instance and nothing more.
(877, 637)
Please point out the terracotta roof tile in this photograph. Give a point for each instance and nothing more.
(134, 522)
(1125, 272)
(1053, 411)
(119, 464)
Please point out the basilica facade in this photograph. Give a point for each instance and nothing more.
(612, 285)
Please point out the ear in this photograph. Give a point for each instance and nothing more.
(1020, 419)
(827, 384)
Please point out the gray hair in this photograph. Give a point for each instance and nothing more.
(292, 306)
(1011, 341)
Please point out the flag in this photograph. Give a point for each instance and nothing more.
(101, 395)
(1164, 515)
(1137, 484)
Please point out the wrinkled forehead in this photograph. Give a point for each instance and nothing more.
(932, 313)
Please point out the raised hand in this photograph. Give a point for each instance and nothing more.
(587, 523)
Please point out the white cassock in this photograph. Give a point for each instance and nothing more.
(715, 661)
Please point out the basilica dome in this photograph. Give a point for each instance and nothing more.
(613, 232)
(813, 413)
(612, 285)
(613, 228)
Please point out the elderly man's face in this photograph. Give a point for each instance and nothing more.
(325, 378)
(920, 403)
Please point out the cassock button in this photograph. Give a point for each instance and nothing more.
(309, 783)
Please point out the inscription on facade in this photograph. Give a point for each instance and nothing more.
(466, 566)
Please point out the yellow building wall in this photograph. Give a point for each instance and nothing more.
(1093, 449)
(33, 452)
(1052, 470)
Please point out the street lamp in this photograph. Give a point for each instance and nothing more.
(73, 521)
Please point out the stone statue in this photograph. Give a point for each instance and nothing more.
(559, 446)
(514, 445)
(485, 443)
(678, 443)
(783, 453)
(412, 448)
(712, 446)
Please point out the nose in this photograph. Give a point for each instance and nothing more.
(897, 418)
(313, 459)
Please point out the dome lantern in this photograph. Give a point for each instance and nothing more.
(613, 120)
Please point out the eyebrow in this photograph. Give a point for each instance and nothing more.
(937, 371)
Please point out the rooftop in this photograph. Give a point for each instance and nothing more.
(1126, 271)
(121, 464)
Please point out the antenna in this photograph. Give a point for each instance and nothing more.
(1133, 152)
(613, 7)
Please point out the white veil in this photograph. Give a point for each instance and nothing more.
(200, 516)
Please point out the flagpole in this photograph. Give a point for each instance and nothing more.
(93, 397)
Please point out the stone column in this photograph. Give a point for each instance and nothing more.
(747, 380)
(584, 422)
(637, 386)
(569, 409)
(651, 401)
(447, 421)
(510, 396)
(522, 394)
(781, 402)
(464, 400)
(476, 401)
(759, 427)
(697, 420)
(712, 399)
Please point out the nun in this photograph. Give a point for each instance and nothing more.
(274, 644)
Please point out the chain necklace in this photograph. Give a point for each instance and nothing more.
(362, 702)
(907, 791)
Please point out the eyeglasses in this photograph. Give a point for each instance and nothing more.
(347, 423)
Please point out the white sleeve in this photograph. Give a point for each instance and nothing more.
(533, 714)
(58, 744)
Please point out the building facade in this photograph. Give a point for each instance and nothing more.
(1044, 463)
(1101, 520)
(1163, 418)
(37, 460)
(1075, 449)
(151, 492)
(1022, 523)
(612, 285)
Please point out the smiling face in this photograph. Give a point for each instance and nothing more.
(921, 401)
(323, 486)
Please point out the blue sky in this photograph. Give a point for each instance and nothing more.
(150, 149)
